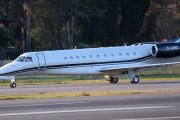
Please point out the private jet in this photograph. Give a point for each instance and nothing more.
(112, 62)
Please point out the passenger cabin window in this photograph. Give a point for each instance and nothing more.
(98, 56)
(77, 57)
(84, 57)
(105, 55)
(65, 58)
(120, 54)
(90, 56)
(28, 59)
(71, 58)
(134, 53)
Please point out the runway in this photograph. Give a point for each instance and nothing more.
(144, 86)
(122, 107)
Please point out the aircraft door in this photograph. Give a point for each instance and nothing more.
(41, 61)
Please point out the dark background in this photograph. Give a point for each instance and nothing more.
(33, 25)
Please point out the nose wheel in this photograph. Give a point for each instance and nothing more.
(13, 83)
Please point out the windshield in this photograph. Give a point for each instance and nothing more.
(23, 58)
(20, 59)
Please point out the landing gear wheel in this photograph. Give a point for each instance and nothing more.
(135, 80)
(113, 80)
(13, 82)
(132, 82)
(13, 85)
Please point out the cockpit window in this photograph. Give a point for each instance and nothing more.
(28, 59)
(20, 59)
(23, 58)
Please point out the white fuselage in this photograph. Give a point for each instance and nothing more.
(83, 61)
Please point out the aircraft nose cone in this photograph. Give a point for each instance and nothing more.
(1, 71)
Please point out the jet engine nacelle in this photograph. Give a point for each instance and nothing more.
(166, 50)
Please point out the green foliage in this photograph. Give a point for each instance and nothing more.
(4, 38)
(4, 42)
(45, 15)
(102, 27)
(64, 24)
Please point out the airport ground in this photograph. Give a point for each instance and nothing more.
(119, 107)
(149, 100)
(77, 88)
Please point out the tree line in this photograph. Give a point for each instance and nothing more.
(33, 25)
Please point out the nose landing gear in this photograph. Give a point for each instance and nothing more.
(13, 83)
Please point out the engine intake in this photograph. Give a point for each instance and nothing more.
(166, 50)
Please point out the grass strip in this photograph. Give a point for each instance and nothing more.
(79, 94)
(65, 94)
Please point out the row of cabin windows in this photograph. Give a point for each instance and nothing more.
(97, 56)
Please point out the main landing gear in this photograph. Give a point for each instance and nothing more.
(13, 83)
(111, 79)
(135, 80)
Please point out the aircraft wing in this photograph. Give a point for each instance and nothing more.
(135, 68)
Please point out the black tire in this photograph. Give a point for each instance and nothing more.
(135, 79)
(132, 82)
(10, 85)
(13, 85)
(113, 80)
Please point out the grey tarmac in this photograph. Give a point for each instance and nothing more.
(121, 107)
